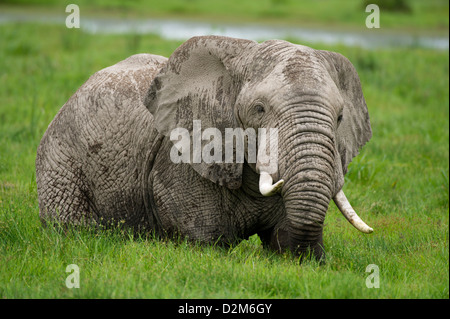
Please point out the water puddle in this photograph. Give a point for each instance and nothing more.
(183, 30)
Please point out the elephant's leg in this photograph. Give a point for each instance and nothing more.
(274, 238)
(278, 237)
(63, 198)
(265, 236)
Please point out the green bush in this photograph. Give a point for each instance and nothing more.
(390, 5)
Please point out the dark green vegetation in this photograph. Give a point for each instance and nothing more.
(399, 185)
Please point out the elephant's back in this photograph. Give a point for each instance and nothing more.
(90, 153)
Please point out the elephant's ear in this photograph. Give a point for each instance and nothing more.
(200, 82)
(354, 129)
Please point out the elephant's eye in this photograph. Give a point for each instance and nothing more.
(339, 119)
(259, 108)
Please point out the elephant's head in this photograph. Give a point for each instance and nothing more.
(312, 97)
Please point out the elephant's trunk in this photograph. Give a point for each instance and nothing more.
(306, 202)
(307, 165)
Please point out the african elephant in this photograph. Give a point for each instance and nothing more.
(106, 155)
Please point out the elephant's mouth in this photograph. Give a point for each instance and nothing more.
(267, 188)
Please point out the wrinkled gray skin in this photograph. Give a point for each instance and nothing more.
(106, 157)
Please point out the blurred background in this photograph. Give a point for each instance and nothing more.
(402, 22)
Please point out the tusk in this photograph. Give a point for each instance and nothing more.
(349, 213)
(265, 184)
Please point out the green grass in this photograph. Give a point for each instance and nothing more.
(429, 15)
(399, 184)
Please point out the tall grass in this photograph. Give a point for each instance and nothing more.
(398, 184)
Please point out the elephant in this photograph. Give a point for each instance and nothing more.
(106, 156)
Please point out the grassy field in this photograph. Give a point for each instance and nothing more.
(399, 184)
(399, 15)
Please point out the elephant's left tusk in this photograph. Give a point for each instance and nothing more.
(265, 184)
(349, 213)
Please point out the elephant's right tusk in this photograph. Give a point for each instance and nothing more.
(265, 184)
(350, 214)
